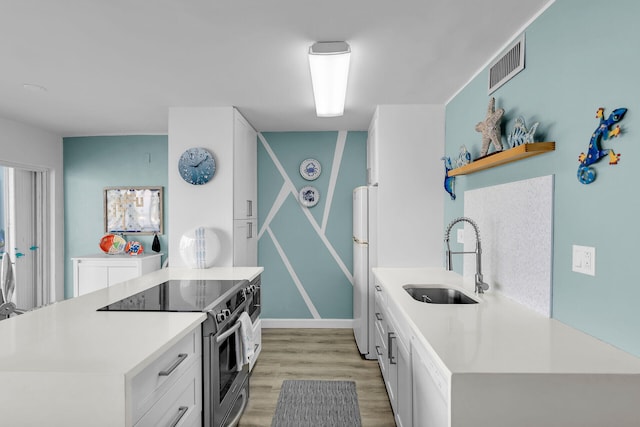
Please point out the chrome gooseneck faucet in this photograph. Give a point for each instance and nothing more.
(481, 286)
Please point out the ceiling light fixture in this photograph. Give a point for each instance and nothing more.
(329, 64)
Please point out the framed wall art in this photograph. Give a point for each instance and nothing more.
(133, 210)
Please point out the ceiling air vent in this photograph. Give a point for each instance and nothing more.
(507, 65)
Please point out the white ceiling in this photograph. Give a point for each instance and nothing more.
(116, 66)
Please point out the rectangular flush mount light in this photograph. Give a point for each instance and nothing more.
(329, 64)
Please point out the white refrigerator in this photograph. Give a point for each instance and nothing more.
(364, 259)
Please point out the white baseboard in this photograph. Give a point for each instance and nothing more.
(307, 323)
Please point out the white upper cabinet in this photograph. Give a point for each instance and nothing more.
(245, 243)
(245, 169)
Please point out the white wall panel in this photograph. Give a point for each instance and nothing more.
(211, 204)
(410, 193)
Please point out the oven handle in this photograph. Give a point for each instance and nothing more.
(232, 330)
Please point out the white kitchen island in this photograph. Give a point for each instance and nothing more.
(67, 364)
(500, 364)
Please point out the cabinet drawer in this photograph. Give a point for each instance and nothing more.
(154, 380)
(181, 405)
(380, 318)
(381, 348)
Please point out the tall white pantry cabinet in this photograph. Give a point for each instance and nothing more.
(245, 193)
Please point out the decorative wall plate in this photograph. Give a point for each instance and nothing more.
(197, 166)
(134, 248)
(309, 196)
(310, 169)
(112, 244)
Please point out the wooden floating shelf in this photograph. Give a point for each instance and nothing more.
(502, 157)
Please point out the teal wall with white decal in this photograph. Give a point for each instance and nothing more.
(580, 55)
(90, 165)
(307, 252)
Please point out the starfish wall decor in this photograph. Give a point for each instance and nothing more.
(490, 128)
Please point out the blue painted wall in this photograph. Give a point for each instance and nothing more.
(307, 252)
(90, 165)
(580, 55)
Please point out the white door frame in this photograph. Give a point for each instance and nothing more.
(27, 190)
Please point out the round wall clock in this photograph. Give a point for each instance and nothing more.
(310, 169)
(197, 166)
(309, 196)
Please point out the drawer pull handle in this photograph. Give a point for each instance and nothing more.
(391, 339)
(173, 367)
(378, 350)
(181, 411)
(378, 316)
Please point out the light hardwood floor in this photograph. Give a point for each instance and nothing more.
(320, 354)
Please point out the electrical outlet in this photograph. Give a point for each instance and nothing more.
(460, 235)
(584, 260)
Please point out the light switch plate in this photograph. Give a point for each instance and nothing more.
(460, 235)
(584, 260)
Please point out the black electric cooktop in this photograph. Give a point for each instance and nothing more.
(181, 295)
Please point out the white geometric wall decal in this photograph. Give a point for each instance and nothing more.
(335, 169)
(289, 188)
(288, 184)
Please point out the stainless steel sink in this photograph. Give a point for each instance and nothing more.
(438, 295)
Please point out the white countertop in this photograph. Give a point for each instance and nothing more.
(57, 358)
(497, 335)
(71, 336)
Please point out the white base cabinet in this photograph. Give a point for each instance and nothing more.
(94, 272)
(168, 392)
(394, 358)
(430, 389)
(401, 351)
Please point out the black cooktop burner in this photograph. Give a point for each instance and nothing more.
(182, 295)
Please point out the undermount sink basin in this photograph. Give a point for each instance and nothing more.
(438, 295)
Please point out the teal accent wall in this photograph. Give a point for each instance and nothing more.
(580, 55)
(307, 252)
(90, 165)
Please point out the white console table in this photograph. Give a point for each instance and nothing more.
(93, 272)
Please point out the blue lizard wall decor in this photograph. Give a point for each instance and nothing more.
(449, 181)
(586, 174)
